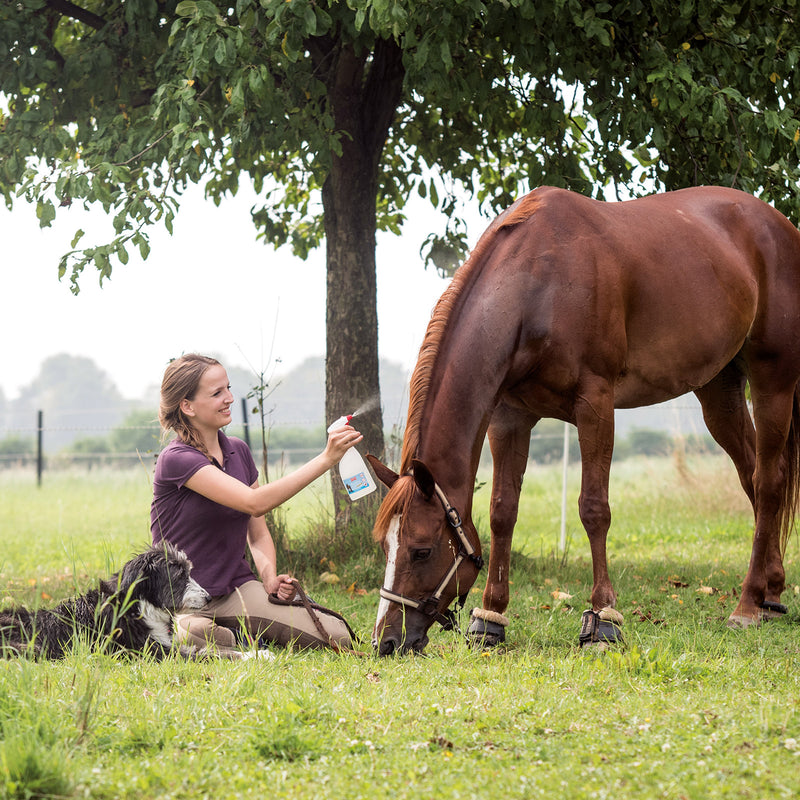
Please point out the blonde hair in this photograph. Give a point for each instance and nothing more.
(181, 379)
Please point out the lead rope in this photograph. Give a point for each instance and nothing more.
(332, 643)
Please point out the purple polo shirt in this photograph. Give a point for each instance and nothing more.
(212, 535)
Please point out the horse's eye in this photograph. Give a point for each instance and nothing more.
(421, 555)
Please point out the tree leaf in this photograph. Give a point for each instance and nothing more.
(186, 8)
(46, 213)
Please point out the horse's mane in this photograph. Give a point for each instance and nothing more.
(401, 493)
(421, 377)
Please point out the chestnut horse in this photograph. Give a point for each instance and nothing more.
(569, 308)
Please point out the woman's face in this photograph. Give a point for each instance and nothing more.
(210, 407)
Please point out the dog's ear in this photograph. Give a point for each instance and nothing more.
(136, 571)
(126, 578)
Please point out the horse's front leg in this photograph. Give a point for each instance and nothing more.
(594, 417)
(509, 439)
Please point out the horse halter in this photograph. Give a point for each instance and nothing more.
(428, 607)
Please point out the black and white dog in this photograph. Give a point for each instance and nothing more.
(132, 611)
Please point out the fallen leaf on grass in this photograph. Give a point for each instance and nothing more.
(647, 616)
(329, 577)
(707, 590)
(557, 595)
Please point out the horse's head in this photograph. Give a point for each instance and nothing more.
(432, 557)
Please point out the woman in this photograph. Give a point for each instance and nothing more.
(207, 501)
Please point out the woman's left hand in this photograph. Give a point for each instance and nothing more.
(283, 586)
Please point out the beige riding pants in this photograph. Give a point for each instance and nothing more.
(237, 621)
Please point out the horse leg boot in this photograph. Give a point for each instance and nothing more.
(509, 441)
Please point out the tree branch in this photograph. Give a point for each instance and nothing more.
(382, 93)
(68, 9)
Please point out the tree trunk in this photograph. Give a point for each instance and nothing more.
(351, 366)
(364, 95)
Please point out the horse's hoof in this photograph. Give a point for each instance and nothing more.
(740, 621)
(600, 629)
(768, 610)
(597, 647)
(486, 628)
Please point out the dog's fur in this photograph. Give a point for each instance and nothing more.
(132, 611)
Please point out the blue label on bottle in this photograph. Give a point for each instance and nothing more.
(356, 482)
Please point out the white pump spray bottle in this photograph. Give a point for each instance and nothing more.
(356, 477)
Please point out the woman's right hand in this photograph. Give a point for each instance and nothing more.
(340, 441)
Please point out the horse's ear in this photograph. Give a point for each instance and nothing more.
(424, 479)
(383, 473)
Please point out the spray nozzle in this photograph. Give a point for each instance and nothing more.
(341, 422)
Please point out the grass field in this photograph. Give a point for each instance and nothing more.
(687, 709)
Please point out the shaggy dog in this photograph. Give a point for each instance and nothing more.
(132, 611)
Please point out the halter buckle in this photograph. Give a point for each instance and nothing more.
(453, 517)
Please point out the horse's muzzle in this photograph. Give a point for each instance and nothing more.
(389, 645)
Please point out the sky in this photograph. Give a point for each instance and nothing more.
(210, 287)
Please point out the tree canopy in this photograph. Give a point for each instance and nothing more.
(74, 394)
(338, 111)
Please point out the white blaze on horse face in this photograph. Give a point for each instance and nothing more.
(392, 543)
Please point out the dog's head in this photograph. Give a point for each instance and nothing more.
(161, 576)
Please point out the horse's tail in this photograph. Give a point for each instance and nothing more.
(791, 491)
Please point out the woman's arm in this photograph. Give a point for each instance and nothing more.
(226, 490)
(262, 548)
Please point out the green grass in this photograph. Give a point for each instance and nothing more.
(686, 709)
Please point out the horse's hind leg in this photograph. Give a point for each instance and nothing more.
(728, 420)
(509, 439)
(775, 478)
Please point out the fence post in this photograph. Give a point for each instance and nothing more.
(246, 423)
(39, 448)
(565, 464)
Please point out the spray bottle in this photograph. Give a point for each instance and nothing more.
(356, 477)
